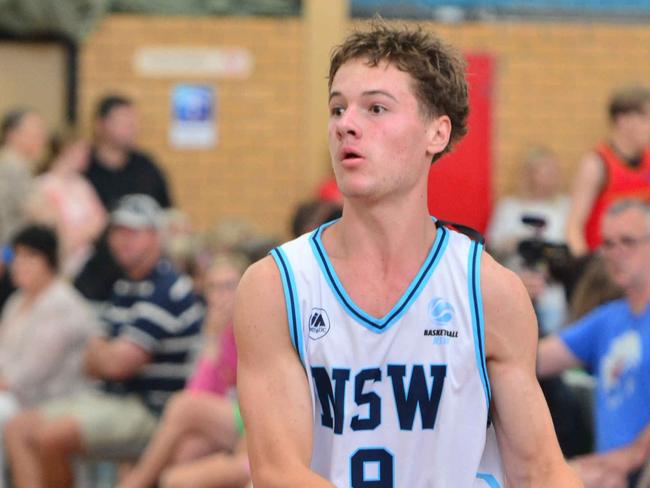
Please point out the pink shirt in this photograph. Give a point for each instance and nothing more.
(217, 374)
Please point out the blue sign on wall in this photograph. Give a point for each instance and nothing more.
(193, 116)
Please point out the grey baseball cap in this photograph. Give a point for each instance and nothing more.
(137, 211)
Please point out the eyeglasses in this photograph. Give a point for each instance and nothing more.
(627, 243)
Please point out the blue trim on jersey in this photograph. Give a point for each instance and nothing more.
(478, 321)
(489, 479)
(372, 323)
(291, 301)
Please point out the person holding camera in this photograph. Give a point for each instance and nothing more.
(525, 226)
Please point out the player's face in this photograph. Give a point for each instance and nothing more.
(380, 142)
(626, 247)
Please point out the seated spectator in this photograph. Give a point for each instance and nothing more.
(151, 321)
(181, 242)
(65, 199)
(612, 342)
(23, 141)
(540, 198)
(45, 327)
(199, 441)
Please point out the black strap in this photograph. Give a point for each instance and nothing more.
(463, 229)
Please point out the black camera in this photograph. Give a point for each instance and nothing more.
(537, 252)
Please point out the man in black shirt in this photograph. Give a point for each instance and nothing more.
(116, 168)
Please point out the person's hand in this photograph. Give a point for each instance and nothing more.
(597, 475)
(534, 281)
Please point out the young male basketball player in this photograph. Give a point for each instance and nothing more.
(381, 350)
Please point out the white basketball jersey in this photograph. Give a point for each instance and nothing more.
(399, 401)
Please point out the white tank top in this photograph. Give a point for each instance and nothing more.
(400, 401)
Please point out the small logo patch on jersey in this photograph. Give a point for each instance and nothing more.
(440, 311)
(319, 323)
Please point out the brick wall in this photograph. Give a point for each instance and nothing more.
(256, 170)
(551, 86)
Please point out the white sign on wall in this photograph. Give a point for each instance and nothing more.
(193, 61)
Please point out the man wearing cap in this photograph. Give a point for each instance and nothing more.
(151, 321)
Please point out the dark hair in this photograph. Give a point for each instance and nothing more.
(11, 121)
(309, 215)
(109, 102)
(627, 99)
(437, 69)
(41, 239)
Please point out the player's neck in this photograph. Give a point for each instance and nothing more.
(385, 233)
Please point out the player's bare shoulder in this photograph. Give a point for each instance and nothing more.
(509, 317)
(259, 304)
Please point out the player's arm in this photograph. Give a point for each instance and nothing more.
(587, 184)
(525, 433)
(272, 385)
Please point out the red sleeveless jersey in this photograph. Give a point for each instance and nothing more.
(621, 181)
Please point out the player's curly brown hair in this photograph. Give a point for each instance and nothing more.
(437, 69)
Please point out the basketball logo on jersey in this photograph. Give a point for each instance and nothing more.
(441, 313)
(319, 323)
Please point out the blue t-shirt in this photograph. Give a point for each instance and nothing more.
(614, 345)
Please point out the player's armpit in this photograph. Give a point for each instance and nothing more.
(272, 385)
(525, 433)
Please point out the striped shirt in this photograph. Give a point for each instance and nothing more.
(162, 315)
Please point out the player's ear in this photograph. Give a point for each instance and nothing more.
(438, 134)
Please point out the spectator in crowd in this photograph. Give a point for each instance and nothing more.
(116, 167)
(65, 199)
(181, 242)
(45, 327)
(618, 167)
(309, 215)
(199, 441)
(151, 321)
(539, 197)
(612, 342)
(23, 140)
